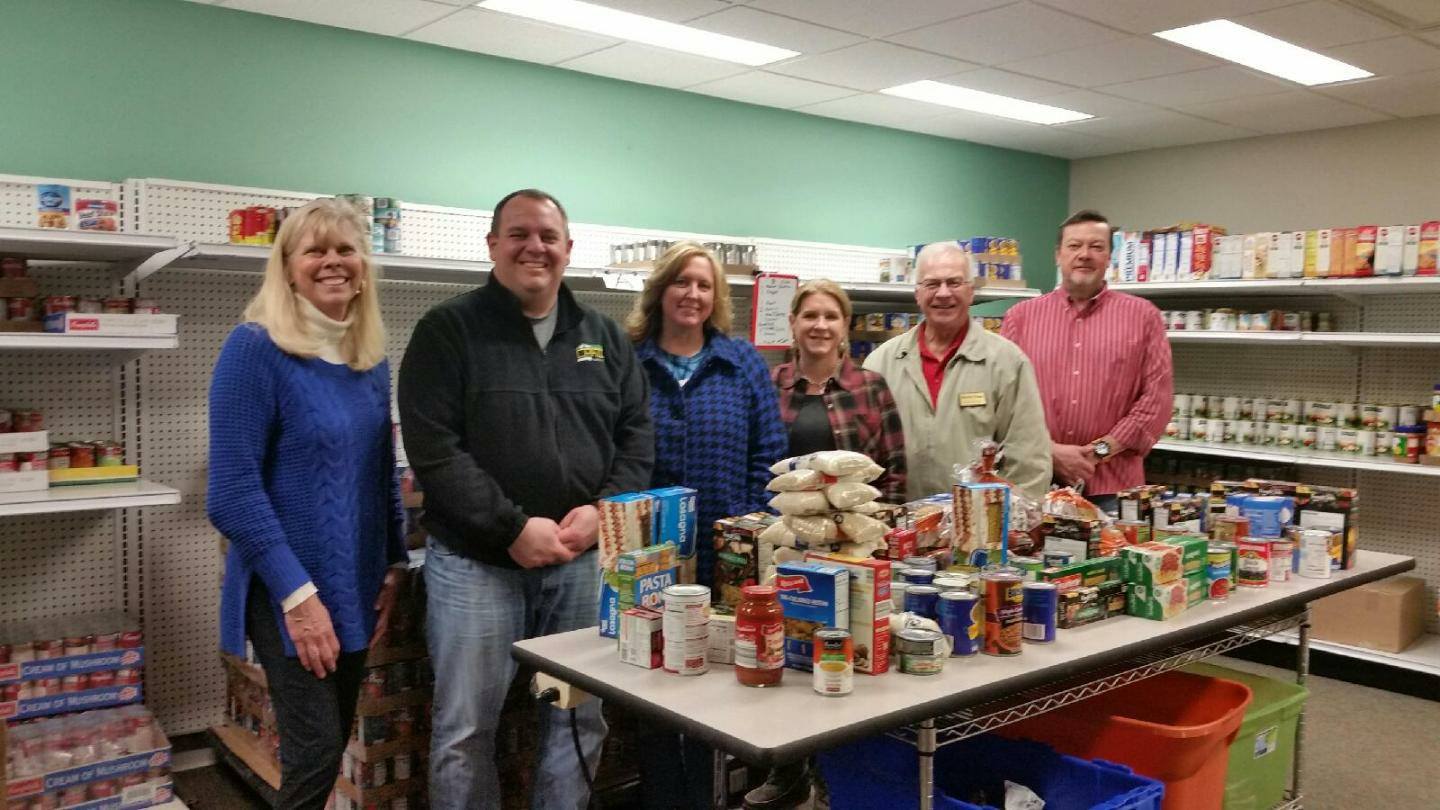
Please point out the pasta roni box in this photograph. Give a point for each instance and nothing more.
(673, 516)
(813, 595)
(637, 581)
(869, 608)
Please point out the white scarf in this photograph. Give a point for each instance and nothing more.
(326, 331)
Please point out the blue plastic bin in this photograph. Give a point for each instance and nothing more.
(882, 772)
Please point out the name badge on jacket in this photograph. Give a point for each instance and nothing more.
(589, 353)
(972, 399)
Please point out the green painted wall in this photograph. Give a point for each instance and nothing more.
(162, 88)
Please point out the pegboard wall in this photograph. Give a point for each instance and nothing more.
(19, 202)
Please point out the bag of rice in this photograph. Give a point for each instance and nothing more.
(830, 462)
(814, 528)
(860, 528)
(798, 481)
(776, 534)
(848, 496)
(863, 476)
(800, 503)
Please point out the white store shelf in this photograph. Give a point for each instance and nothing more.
(80, 246)
(82, 497)
(1283, 286)
(54, 340)
(1310, 338)
(1307, 458)
(1422, 656)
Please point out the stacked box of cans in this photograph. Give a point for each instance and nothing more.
(731, 254)
(994, 260)
(111, 757)
(61, 664)
(1360, 429)
(1225, 319)
(23, 443)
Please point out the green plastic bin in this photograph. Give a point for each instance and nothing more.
(1264, 749)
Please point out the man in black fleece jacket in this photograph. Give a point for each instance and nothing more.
(520, 408)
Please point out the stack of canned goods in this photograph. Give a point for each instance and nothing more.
(62, 637)
(1225, 319)
(72, 742)
(35, 309)
(1364, 429)
(730, 253)
(992, 612)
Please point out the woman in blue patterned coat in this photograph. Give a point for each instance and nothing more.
(302, 485)
(717, 431)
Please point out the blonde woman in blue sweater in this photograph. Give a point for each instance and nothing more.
(302, 485)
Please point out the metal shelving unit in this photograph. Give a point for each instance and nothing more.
(1343, 287)
(67, 342)
(1304, 458)
(1397, 339)
(84, 497)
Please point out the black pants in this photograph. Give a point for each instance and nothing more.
(313, 715)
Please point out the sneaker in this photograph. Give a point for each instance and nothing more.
(786, 787)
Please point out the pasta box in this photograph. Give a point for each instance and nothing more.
(869, 608)
(813, 595)
(673, 515)
(1151, 563)
(1157, 602)
(1082, 574)
(625, 525)
(737, 551)
(637, 581)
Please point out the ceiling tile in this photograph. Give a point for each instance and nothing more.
(1198, 87)
(1410, 95)
(875, 19)
(1319, 24)
(669, 10)
(509, 36)
(1149, 16)
(870, 66)
(870, 108)
(1097, 104)
(975, 127)
(773, 29)
(992, 80)
(634, 62)
(771, 90)
(1293, 111)
(389, 17)
(1392, 56)
(1118, 61)
(1157, 129)
(1007, 34)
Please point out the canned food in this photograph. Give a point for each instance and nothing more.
(921, 651)
(1194, 320)
(118, 305)
(1366, 442)
(918, 576)
(1217, 572)
(109, 454)
(1315, 553)
(1281, 560)
(1272, 433)
(921, 600)
(1247, 408)
(19, 309)
(24, 420)
(12, 267)
(52, 304)
(1040, 606)
(146, 306)
(1245, 431)
(1175, 320)
(898, 590)
(921, 562)
(834, 664)
(1347, 414)
(1291, 322)
(1055, 559)
(88, 305)
(1287, 435)
(1200, 429)
(1004, 612)
(82, 454)
(59, 458)
(1230, 528)
(1200, 405)
(686, 629)
(1254, 568)
(1227, 430)
(1327, 438)
(961, 620)
(1347, 440)
(948, 583)
(1178, 428)
(1384, 442)
(1230, 408)
(1181, 406)
(1222, 320)
(373, 687)
(1407, 416)
(1320, 413)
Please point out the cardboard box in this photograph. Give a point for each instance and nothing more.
(626, 524)
(83, 323)
(33, 481)
(1192, 553)
(1143, 253)
(722, 639)
(673, 516)
(637, 581)
(1151, 564)
(155, 790)
(1323, 252)
(1297, 254)
(1197, 588)
(1082, 574)
(1156, 602)
(870, 608)
(1410, 256)
(1427, 263)
(737, 553)
(982, 522)
(1365, 245)
(1389, 249)
(33, 441)
(1386, 615)
(1278, 256)
(1186, 260)
(641, 641)
(813, 595)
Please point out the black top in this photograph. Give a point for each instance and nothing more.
(499, 429)
(810, 432)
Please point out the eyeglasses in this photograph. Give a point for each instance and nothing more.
(955, 283)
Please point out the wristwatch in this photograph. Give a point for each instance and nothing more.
(1102, 449)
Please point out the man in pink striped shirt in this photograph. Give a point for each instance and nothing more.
(1102, 362)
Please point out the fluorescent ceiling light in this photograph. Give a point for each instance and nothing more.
(964, 98)
(639, 28)
(1263, 52)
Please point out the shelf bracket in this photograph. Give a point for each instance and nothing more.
(138, 272)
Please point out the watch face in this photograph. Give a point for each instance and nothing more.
(1102, 449)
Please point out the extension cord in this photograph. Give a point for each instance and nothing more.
(568, 696)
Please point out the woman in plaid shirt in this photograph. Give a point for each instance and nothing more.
(829, 403)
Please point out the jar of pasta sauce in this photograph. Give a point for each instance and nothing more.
(759, 637)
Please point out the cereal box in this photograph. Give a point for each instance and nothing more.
(737, 551)
(637, 581)
(722, 639)
(982, 521)
(625, 525)
(641, 640)
(1151, 563)
(813, 595)
(869, 608)
(1158, 602)
(674, 518)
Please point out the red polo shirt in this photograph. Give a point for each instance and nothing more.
(934, 367)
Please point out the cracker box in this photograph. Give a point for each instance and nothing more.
(722, 639)
(1158, 602)
(1323, 251)
(639, 578)
(1389, 249)
(869, 608)
(625, 525)
(1312, 251)
(1202, 253)
(1277, 262)
(1150, 564)
(982, 521)
(641, 640)
(813, 595)
(674, 518)
(737, 551)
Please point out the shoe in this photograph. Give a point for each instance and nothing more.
(786, 787)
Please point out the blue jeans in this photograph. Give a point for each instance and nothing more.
(475, 612)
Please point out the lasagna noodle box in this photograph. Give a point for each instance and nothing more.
(870, 608)
(982, 520)
(673, 515)
(812, 595)
(625, 525)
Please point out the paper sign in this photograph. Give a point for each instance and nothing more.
(770, 315)
(614, 280)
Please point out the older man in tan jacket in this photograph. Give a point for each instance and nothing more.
(956, 384)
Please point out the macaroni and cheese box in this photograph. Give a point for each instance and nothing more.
(813, 595)
(869, 608)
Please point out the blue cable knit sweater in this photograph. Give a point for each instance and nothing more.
(302, 483)
(718, 434)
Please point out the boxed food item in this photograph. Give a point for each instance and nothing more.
(1081, 606)
(737, 553)
(1192, 552)
(1427, 262)
(1386, 615)
(1181, 512)
(106, 324)
(639, 578)
(1389, 249)
(933, 520)
(1410, 256)
(982, 521)
(899, 544)
(625, 525)
(722, 638)
(1151, 564)
(813, 595)
(642, 641)
(870, 607)
(1074, 535)
(1335, 510)
(1158, 601)
(1138, 503)
(1197, 588)
(1082, 574)
(1365, 237)
(673, 516)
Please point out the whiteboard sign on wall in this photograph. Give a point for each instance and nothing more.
(770, 314)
